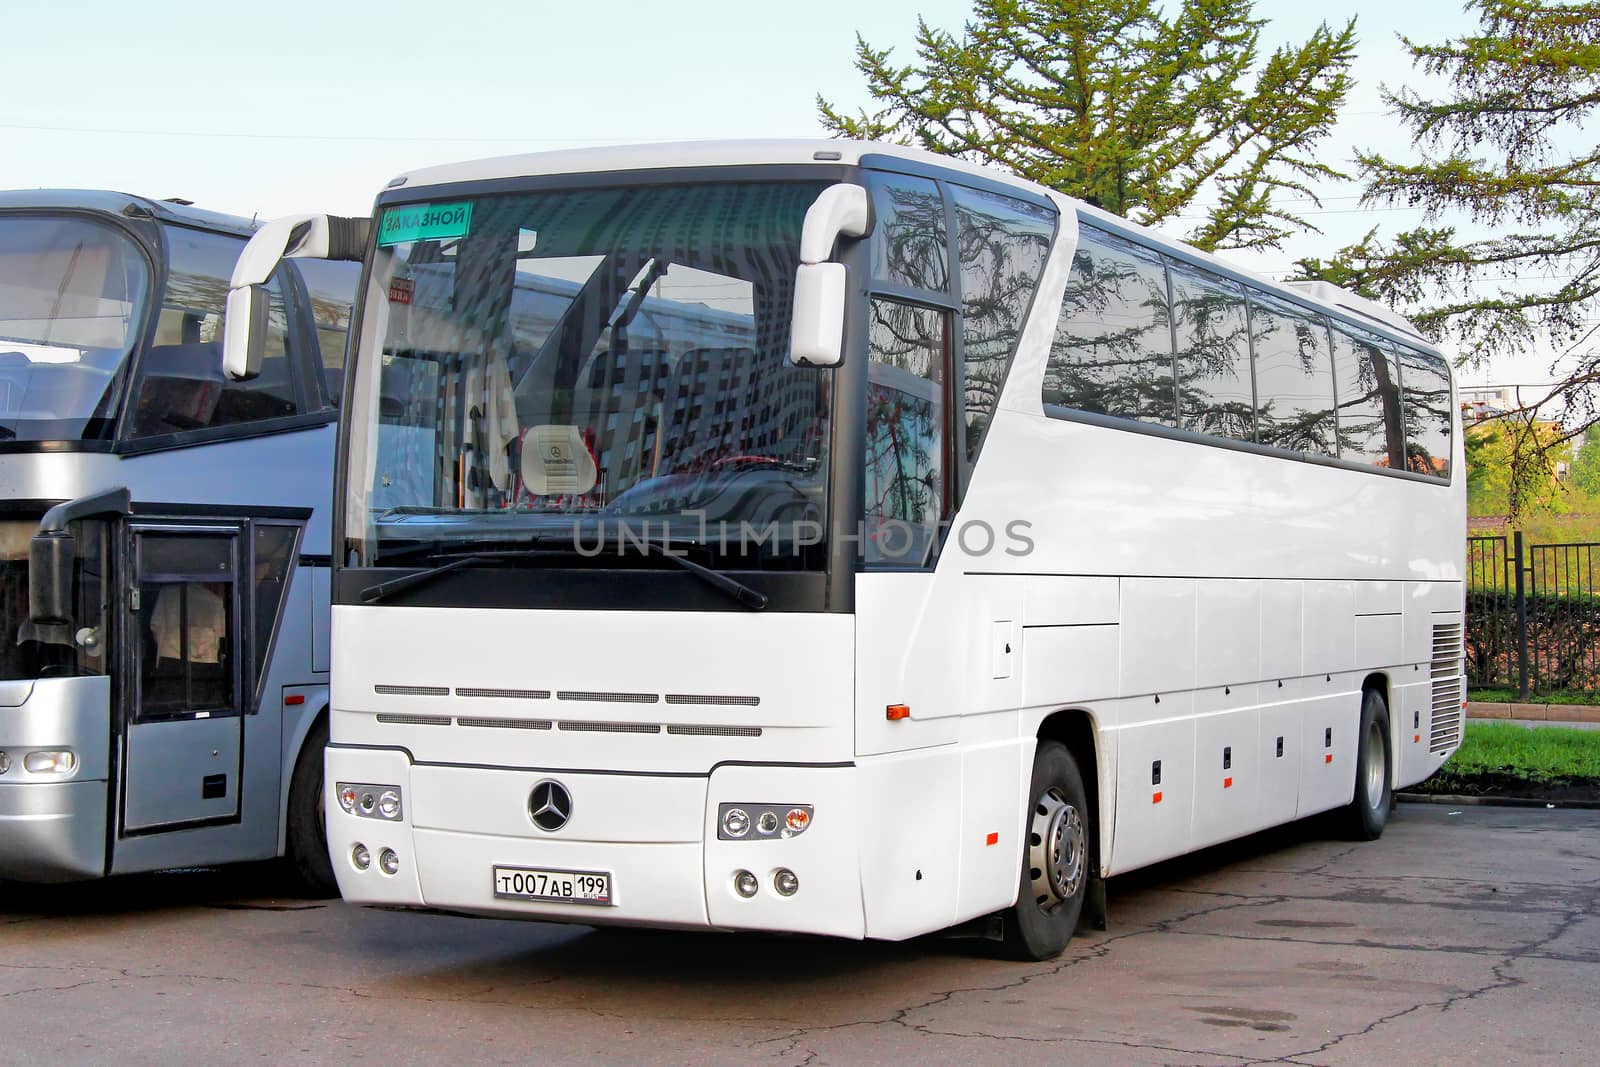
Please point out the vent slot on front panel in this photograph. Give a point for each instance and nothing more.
(415, 720)
(713, 701)
(611, 727)
(715, 731)
(1445, 673)
(505, 694)
(507, 724)
(608, 698)
(412, 690)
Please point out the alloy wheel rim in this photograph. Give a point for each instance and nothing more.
(1373, 765)
(1057, 850)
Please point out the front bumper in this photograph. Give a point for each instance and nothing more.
(54, 829)
(655, 835)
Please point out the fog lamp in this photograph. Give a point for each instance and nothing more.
(389, 804)
(50, 761)
(785, 882)
(361, 857)
(388, 861)
(745, 884)
(5, 761)
(735, 822)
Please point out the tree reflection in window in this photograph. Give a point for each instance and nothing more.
(905, 478)
(1215, 394)
(1369, 400)
(1425, 382)
(1002, 243)
(1294, 378)
(1112, 353)
(910, 243)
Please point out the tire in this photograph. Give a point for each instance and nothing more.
(1057, 859)
(1369, 811)
(307, 836)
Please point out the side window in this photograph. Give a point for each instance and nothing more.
(332, 287)
(1294, 378)
(1425, 383)
(906, 481)
(1002, 244)
(185, 625)
(910, 242)
(1369, 400)
(271, 562)
(1215, 395)
(1112, 353)
(181, 385)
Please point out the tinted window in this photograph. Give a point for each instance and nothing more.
(274, 553)
(1294, 378)
(181, 385)
(1213, 340)
(905, 475)
(1003, 244)
(1112, 352)
(1425, 380)
(1369, 400)
(332, 287)
(910, 242)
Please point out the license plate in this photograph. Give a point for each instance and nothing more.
(559, 886)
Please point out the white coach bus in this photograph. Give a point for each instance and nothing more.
(974, 545)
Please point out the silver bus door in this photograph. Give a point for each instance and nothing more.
(182, 628)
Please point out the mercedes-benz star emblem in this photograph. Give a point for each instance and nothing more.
(550, 805)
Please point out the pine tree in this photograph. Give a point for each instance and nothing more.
(1116, 103)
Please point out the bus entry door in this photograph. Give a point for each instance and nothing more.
(184, 727)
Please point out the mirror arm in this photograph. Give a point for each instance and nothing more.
(116, 501)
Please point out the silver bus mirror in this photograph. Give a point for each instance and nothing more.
(816, 337)
(53, 551)
(244, 329)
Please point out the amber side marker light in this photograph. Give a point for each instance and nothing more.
(897, 711)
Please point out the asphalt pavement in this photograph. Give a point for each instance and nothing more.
(1463, 936)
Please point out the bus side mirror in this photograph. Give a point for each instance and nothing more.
(53, 551)
(244, 332)
(816, 337)
(244, 328)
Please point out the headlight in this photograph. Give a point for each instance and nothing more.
(371, 801)
(389, 803)
(771, 821)
(735, 822)
(50, 761)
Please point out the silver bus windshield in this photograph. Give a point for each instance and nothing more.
(567, 363)
(72, 299)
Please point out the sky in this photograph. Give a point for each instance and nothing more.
(301, 106)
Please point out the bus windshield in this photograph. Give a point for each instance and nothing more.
(587, 363)
(72, 296)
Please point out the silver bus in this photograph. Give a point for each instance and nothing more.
(164, 626)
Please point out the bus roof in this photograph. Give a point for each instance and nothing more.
(115, 203)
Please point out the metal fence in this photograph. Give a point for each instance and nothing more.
(1533, 615)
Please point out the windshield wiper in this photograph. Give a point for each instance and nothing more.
(374, 593)
(753, 599)
(750, 598)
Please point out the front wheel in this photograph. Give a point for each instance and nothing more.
(1055, 860)
(307, 832)
(1374, 799)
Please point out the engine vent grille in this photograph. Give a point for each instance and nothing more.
(412, 690)
(715, 731)
(507, 724)
(1445, 671)
(608, 698)
(611, 727)
(713, 701)
(505, 694)
(415, 720)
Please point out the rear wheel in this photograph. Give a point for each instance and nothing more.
(307, 835)
(1374, 799)
(1055, 859)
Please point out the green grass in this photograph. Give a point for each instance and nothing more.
(1509, 696)
(1538, 754)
